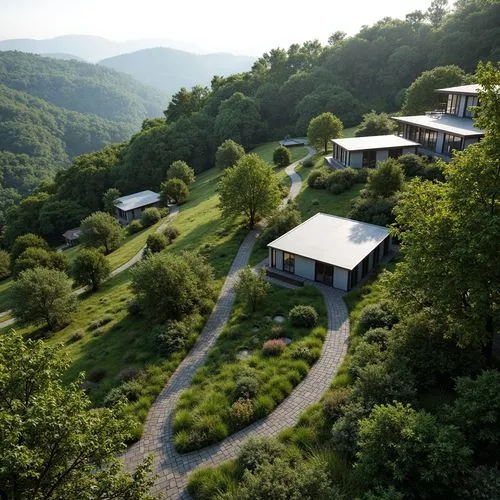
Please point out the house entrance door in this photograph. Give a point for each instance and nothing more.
(369, 158)
(324, 273)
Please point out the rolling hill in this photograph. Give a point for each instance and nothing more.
(169, 69)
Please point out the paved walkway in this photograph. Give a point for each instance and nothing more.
(173, 468)
(136, 258)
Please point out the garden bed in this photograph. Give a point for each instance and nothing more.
(228, 393)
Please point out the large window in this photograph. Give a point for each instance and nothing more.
(369, 158)
(428, 138)
(453, 103)
(289, 262)
(470, 101)
(395, 152)
(324, 273)
(451, 142)
(273, 257)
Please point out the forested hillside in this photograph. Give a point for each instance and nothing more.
(53, 110)
(168, 69)
(87, 88)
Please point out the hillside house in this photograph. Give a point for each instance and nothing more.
(358, 152)
(333, 250)
(448, 128)
(130, 207)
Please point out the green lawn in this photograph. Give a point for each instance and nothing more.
(103, 336)
(265, 151)
(349, 132)
(205, 413)
(311, 201)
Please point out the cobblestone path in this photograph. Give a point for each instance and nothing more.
(173, 468)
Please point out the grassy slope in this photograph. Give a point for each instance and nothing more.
(265, 151)
(205, 408)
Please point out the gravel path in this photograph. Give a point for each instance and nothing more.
(173, 468)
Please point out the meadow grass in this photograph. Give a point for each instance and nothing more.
(265, 151)
(205, 413)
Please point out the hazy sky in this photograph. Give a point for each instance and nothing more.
(249, 27)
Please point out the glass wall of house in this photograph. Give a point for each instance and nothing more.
(324, 273)
(471, 100)
(453, 104)
(369, 158)
(289, 262)
(452, 142)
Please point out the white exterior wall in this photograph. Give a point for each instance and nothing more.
(409, 150)
(305, 267)
(382, 154)
(340, 277)
(356, 160)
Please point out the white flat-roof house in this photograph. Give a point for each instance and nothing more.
(130, 207)
(358, 152)
(448, 128)
(333, 250)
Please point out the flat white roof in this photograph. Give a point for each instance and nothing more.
(137, 200)
(445, 123)
(333, 240)
(374, 142)
(462, 89)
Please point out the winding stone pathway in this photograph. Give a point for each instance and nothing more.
(173, 468)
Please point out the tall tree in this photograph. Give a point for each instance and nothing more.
(43, 294)
(251, 188)
(53, 444)
(449, 234)
(109, 198)
(437, 12)
(101, 230)
(228, 153)
(186, 102)
(323, 128)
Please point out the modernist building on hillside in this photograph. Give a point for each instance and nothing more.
(358, 152)
(333, 250)
(128, 208)
(448, 128)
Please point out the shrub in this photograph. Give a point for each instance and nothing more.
(373, 210)
(155, 243)
(76, 336)
(134, 309)
(246, 387)
(281, 156)
(341, 180)
(377, 336)
(135, 226)
(241, 412)
(101, 230)
(257, 452)
(128, 391)
(107, 318)
(128, 373)
(334, 402)
(171, 232)
(171, 337)
(150, 216)
(25, 241)
(303, 316)
(164, 211)
(4, 264)
(387, 179)
(273, 347)
(375, 316)
(304, 352)
(309, 163)
(317, 179)
(361, 175)
(96, 374)
(38, 257)
(228, 154)
(251, 287)
(283, 221)
(173, 190)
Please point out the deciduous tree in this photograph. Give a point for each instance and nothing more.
(281, 156)
(173, 190)
(251, 188)
(375, 124)
(101, 230)
(109, 198)
(228, 154)
(251, 287)
(90, 268)
(181, 170)
(386, 179)
(43, 294)
(323, 128)
(54, 445)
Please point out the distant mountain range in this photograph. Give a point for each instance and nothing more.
(169, 69)
(88, 47)
(155, 62)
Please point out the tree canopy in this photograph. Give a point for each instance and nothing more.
(250, 188)
(322, 128)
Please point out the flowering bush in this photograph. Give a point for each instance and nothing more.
(241, 412)
(273, 347)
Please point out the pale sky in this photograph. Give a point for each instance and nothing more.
(251, 27)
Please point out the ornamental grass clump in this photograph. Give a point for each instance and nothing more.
(273, 347)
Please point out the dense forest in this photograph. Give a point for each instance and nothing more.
(280, 94)
(52, 111)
